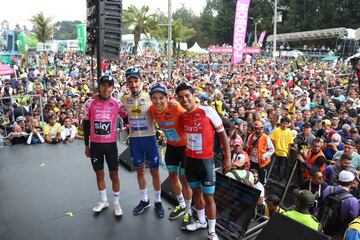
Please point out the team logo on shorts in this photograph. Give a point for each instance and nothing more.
(102, 128)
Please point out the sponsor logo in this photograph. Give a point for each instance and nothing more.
(102, 128)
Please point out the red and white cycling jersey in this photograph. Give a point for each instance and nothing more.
(103, 116)
(199, 126)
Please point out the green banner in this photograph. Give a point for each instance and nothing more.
(22, 42)
(5, 59)
(81, 36)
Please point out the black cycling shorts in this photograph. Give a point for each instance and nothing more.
(101, 151)
(200, 173)
(175, 158)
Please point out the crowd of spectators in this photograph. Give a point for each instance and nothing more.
(296, 103)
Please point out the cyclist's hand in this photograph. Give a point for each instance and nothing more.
(87, 151)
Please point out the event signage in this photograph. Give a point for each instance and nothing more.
(246, 50)
(241, 18)
(261, 38)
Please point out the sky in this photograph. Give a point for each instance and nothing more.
(20, 11)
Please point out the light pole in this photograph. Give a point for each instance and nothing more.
(275, 7)
(169, 41)
(256, 22)
(275, 27)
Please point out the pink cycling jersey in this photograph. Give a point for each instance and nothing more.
(103, 117)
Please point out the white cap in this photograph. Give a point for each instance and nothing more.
(346, 176)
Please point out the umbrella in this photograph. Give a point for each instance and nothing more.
(6, 70)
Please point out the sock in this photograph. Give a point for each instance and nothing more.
(201, 215)
(188, 206)
(211, 225)
(144, 195)
(158, 196)
(103, 196)
(181, 200)
(116, 197)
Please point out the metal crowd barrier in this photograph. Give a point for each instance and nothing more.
(7, 118)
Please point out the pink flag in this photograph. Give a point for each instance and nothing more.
(241, 18)
(261, 38)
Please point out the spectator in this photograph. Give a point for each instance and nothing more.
(259, 186)
(68, 131)
(272, 206)
(238, 155)
(349, 148)
(316, 185)
(305, 138)
(260, 148)
(345, 132)
(282, 139)
(239, 173)
(349, 205)
(332, 172)
(35, 132)
(52, 131)
(19, 135)
(334, 146)
(353, 230)
(315, 159)
(303, 202)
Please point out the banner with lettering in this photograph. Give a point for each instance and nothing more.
(241, 19)
(261, 38)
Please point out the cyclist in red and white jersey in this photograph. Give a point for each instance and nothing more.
(100, 121)
(199, 123)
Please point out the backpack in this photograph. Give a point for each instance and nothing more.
(330, 211)
(244, 180)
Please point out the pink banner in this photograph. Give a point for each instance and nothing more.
(261, 38)
(241, 18)
(247, 50)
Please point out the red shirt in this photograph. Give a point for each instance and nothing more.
(199, 126)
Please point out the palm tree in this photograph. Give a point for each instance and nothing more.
(43, 27)
(181, 33)
(141, 21)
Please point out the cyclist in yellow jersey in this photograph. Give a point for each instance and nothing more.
(142, 140)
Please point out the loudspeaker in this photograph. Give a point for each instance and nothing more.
(280, 227)
(11, 41)
(167, 192)
(125, 159)
(104, 20)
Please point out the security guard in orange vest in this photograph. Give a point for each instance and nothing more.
(303, 202)
(315, 159)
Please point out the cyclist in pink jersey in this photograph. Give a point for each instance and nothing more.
(100, 119)
(199, 123)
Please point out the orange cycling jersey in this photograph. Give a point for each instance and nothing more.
(170, 123)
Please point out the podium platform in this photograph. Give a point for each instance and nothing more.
(47, 192)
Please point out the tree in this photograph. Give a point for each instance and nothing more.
(43, 27)
(65, 30)
(4, 28)
(181, 33)
(141, 21)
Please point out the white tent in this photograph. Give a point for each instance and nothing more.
(353, 56)
(197, 49)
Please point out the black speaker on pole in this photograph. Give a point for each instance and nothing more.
(280, 227)
(104, 28)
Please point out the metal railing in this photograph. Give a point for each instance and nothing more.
(7, 114)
